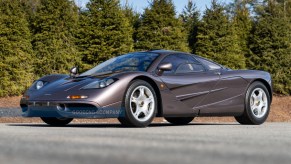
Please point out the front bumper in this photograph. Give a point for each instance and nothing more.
(70, 109)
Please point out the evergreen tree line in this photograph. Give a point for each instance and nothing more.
(40, 37)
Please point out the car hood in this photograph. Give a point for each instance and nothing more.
(66, 83)
(58, 87)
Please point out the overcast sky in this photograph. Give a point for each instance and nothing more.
(139, 5)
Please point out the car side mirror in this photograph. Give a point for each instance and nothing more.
(74, 71)
(164, 67)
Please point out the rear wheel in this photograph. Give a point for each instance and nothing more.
(56, 121)
(257, 105)
(179, 120)
(140, 104)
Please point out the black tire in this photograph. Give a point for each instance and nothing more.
(129, 119)
(123, 121)
(179, 120)
(248, 117)
(56, 121)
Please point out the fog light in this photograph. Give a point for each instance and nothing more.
(77, 97)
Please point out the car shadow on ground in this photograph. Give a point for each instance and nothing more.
(114, 125)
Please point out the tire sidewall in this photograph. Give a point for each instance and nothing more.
(249, 112)
(128, 113)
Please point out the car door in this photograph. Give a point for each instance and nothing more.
(226, 96)
(188, 81)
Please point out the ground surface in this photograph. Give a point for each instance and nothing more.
(225, 143)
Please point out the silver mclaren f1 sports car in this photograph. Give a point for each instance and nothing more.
(139, 86)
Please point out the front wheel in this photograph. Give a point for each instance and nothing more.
(140, 104)
(56, 121)
(257, 105)
(179, 120)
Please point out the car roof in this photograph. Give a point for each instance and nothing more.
(166, 52)
(163, 52)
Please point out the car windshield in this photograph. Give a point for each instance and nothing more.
(139, 61)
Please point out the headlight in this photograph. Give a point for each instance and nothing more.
(39, 84)
(99, 84)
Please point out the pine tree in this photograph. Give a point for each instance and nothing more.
(271, 44)
(15, 49)
(217, 39)
(104, 31)
(190, 16)
(160, 29)
(243, 24)
(53, 25)
(134, 19)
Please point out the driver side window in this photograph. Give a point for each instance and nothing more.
(211, 66)
(182, 63)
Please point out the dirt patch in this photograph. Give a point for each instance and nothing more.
(10, 102)
(280, 112)
(280, 109)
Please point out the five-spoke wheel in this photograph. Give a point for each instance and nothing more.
(257, 105)
(140, 104)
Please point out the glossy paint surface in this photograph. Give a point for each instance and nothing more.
(208, 93)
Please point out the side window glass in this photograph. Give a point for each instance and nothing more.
(192, 59)
(188, 68)
(209, 64)
(183, 64)
(184, 68)
(176, 61)
(197, 67)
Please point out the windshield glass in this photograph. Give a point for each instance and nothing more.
(139, 61)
